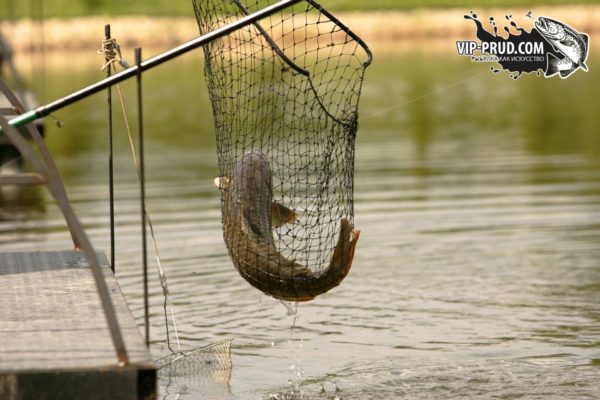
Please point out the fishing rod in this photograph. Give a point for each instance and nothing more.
(152, 62)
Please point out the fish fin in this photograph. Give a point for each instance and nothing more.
(281, 215)
(564, 74)
(355, 235)
(552, 66)
(567, 41)
(586, 39)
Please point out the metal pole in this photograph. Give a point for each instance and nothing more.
(111, 183)
(138, 61)
(56, 188)
(49, 108)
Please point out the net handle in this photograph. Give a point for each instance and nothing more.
(56, 105)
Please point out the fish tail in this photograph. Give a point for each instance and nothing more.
(552, 66)
(564, 74)
(307, 284)
(343, 254)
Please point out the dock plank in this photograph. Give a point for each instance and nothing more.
(52, 325)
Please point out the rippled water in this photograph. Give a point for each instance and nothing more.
(477, 273)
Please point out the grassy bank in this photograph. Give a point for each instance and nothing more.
(11, 9)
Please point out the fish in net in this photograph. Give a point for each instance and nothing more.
(285, 93)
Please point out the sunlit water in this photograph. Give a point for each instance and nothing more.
(477, 273)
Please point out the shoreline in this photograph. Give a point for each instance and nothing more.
(86, 33)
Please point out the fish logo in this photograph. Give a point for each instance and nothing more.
(572, 45)
(550, 47)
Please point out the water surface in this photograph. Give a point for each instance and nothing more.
(477, 273)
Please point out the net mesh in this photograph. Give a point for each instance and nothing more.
(212, 362)
(285, 94)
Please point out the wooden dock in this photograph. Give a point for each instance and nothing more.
(54, 338)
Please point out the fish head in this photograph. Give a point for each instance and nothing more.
(550, 28)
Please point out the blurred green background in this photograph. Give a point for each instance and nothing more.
(11, 9)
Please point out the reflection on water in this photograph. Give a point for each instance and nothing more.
(477, 272)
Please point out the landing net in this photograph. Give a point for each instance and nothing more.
(285, 94)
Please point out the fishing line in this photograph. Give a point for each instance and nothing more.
(115, 57)
(161, 272)
(334, 2)
(214, 357)
(415, 99)
(60, 122)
